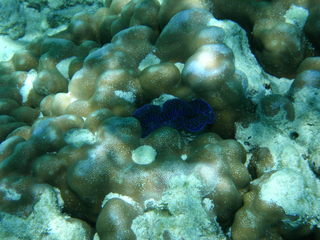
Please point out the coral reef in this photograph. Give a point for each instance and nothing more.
(187, 211)
(60, 4)
(107, 127)
(12, 20)
(280, 43)
(42, 218)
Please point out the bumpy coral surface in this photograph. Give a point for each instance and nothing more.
(107, 126)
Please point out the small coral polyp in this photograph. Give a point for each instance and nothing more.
(81, 122)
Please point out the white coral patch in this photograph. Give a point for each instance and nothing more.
(127, 96)
(144, 155)
(288, 189)
(28, 85)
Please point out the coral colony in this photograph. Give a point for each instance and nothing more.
(151, 119)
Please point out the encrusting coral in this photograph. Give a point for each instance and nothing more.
(153, 120)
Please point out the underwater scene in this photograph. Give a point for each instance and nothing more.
(160, 119)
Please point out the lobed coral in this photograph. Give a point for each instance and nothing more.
(280, 43)
(68, 136)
